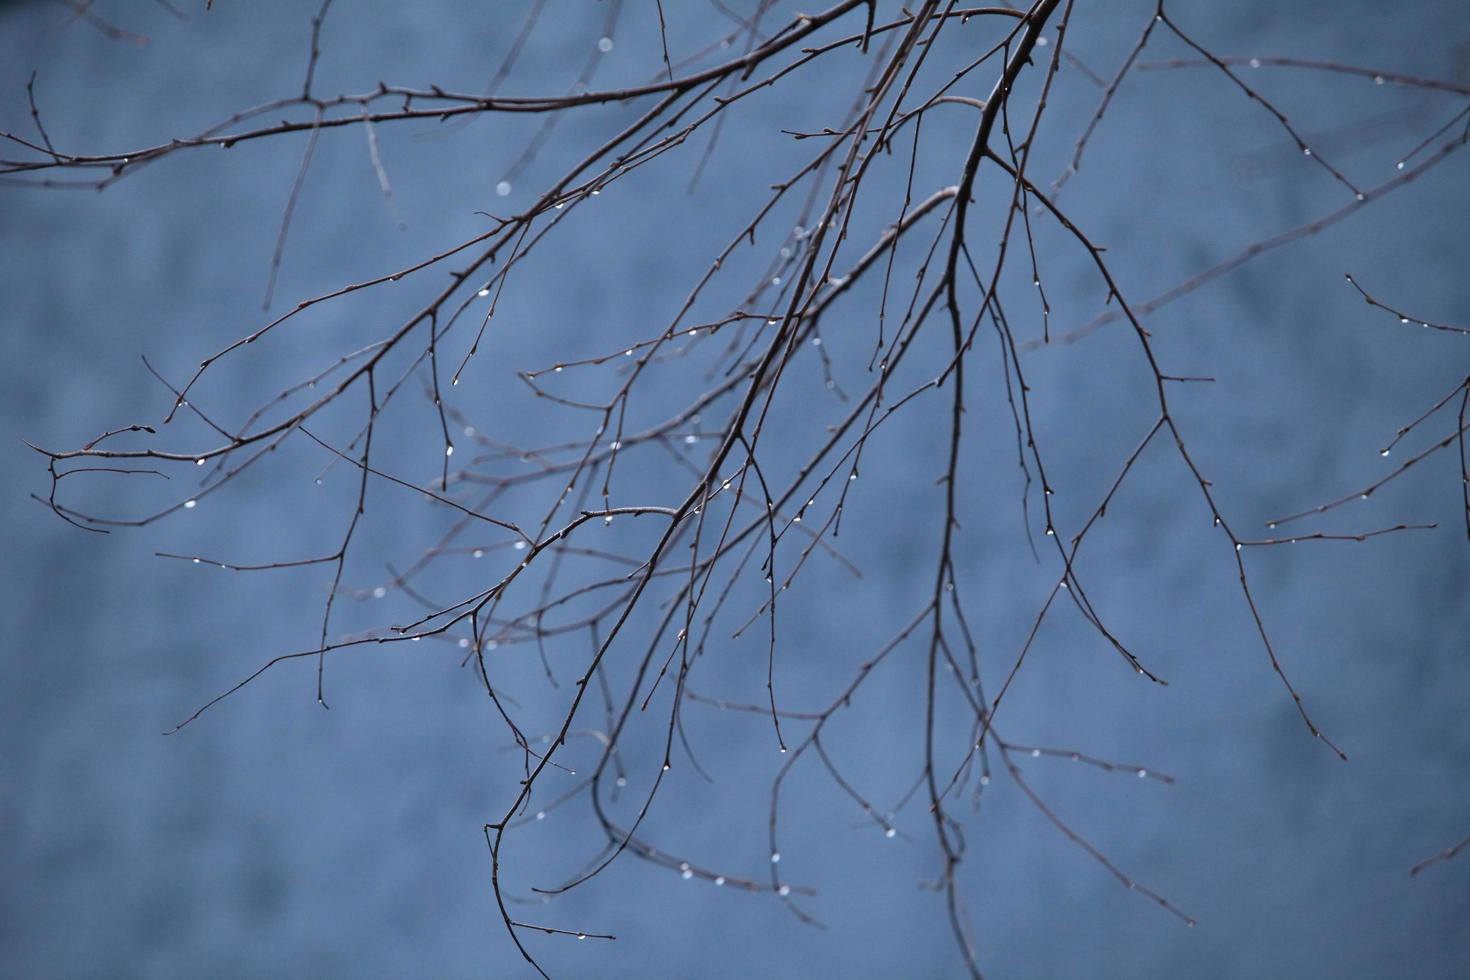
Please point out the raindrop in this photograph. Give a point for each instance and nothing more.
(666, 767)
(199, 461)
(581, 935)
(1035, 753)
(196, 561)
(605, 44)
(720, 880)
(448, 450)
(1306, 151)
(484, 292)
(190, 504)
(889, 832)
(503, 188)
(478, 553)
(775, 857)
(1142, 773)
(1255, 62)
(1399, 165)
(1383, 452)
(784, 890)
(540, 814)
(776, 281)
(984, 780)
(379, 592)
(690, 440)
(463, 643)
(1377, 79)
(519, 546)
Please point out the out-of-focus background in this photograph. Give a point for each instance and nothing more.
(276, 839)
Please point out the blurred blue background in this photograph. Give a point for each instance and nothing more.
(275, 839)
